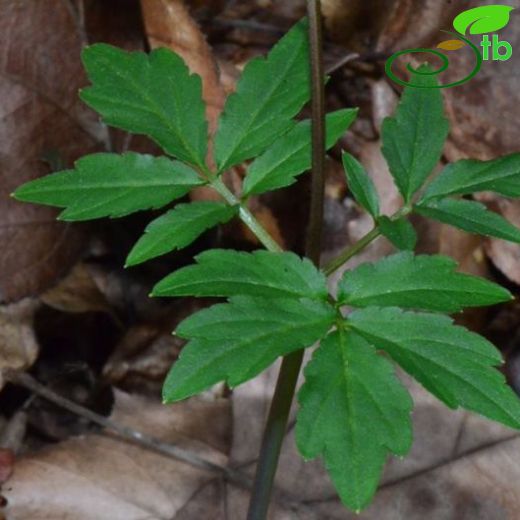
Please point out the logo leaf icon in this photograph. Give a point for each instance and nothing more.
(451, 45)
(484, 19)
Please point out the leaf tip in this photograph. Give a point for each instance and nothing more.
(131, 260)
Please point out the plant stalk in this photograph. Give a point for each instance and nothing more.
(246, 216)
(285, 387)
(346, 255)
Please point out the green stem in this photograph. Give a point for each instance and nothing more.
(246, 216)
(276, 425)
(363, 242)
(346, 255)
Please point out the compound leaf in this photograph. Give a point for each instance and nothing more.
(106, 184)
(414, 138)
(221, 272)
(360, 184)
(152, 94)
(270, 92)
(290, 155)
(417, 282)
(235, 341)
(452, 363)
(178, 228)
(353, 411)
(470, 216)
(399, 231)
(500, 175)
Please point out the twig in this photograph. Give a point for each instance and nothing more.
(287, 378)
(338, 64)
(127, 433)
(233, 476)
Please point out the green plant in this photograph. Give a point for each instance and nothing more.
(353, 409)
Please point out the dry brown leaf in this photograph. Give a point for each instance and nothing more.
(505, 255)
(77, 292)
(18, 345)
(355, 23)
(40, 73)
(100, 477)
(387, 25)
(146, 367)
(416, 23)
(465, 248)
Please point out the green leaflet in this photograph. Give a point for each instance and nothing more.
(221, 272)
(152, 94)
(414, 138)
(353, 411)
(290, 155)
(470, 216)
(500, 175)
(112, 185)
(269, 94)
(360, 184)
(178, 228)
(235, 341)
(418, 282)
(452, 363)
(399, 231)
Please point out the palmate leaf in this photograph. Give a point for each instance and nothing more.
(270, 92)
(500, 175)
(105, 184)
(452, 363)
(178, 228)
(470, 216)
(291, 154)
(417, 282)
(414, 138)
(399, 231)
(221, 272)
(360, 184)
(235, 341)
(353, 411)
(152, 94)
